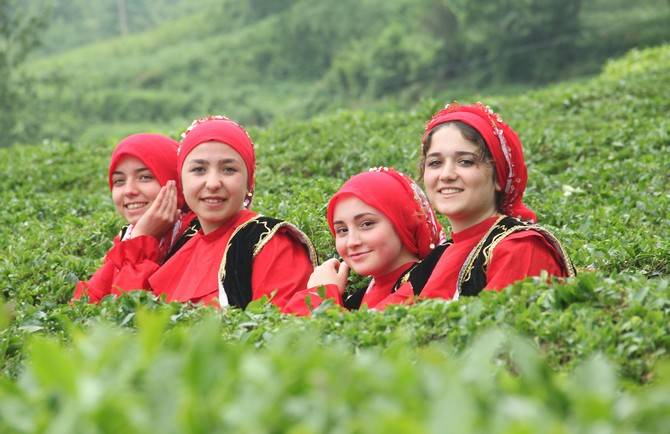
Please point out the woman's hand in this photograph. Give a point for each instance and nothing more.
(161, 215)
(331, 272)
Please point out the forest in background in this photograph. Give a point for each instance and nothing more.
(88, 70)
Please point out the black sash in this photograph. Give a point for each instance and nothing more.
(248, 239)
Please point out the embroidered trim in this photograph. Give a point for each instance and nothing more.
(263, 240)
(405, 277)
(222, 266)
(294, 231)
(466, 270)
(191, 230)
(567, 263)
(125, 231)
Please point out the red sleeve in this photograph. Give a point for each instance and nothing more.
(521, 255)
(297, 305)
(98, 286)
(403, 295)
(134, 261)
(127, 266)
(280, 270)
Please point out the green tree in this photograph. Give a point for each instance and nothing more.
(19, 34)
(510, 40)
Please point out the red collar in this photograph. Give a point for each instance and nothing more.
(475, 231)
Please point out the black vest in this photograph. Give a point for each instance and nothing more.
(188, 233)
(245, 243)
(472, 276)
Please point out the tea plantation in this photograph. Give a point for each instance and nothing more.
(590, 355)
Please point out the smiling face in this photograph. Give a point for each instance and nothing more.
(458, 183)
(214, 179)
(134, 188)
(366, 240)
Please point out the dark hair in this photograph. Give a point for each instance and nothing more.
(471, 135)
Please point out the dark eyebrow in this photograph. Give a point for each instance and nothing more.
(457, 153)
(356, 217)
(138, 170)
(203, 161)
(461, 153)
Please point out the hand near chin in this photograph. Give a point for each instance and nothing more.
(331, 272)
(161, 215)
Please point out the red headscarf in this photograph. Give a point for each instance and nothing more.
(401, 200)
(219, 128)
(503, 143)
(157, 152)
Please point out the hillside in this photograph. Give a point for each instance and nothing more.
(261, 61)
(585, 356)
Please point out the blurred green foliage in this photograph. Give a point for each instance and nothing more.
(194, 380)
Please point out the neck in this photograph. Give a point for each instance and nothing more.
(460, 224)
(208, 228)
(391, 275)
(403, 258)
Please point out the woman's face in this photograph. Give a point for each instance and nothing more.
(134, 188)
(458, 184)
(214, 179)
(366, 240)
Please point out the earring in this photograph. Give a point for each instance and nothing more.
(247, 199)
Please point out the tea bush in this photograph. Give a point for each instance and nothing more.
(592, 353)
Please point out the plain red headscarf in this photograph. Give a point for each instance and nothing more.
(401, 200)
(220, 129)
(504, 145)
(157, 152)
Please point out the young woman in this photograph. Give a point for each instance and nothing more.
(383, 225)
(142, 176)
(237, 255)
(475, 174)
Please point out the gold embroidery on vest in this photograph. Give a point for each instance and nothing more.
(466, 271)
(190, 231)
(295, 232)
(555, 243)
(222, 266)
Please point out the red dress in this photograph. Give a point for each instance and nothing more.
(282, 267)
(519, 255)
(380, 288)
(129, 263)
